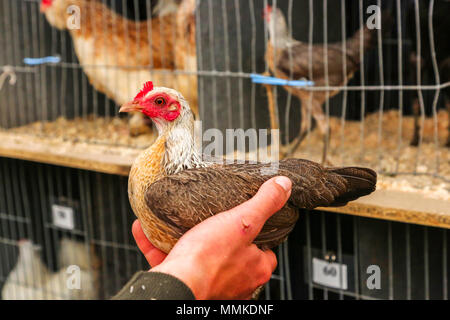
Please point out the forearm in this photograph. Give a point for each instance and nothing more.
(154, 286)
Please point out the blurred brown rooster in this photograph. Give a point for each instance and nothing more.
(288, 58)
(118, 54)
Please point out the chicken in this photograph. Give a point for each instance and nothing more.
(73, 252)
(172, 188)
(116, 53)
(440, 52)
(77, 253)
(288, 58)
(165, 7)
(29, 276)
(31, 280)
(186, 53)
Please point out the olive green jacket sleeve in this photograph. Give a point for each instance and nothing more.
(146, 285)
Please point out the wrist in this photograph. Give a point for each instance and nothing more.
(186, 275)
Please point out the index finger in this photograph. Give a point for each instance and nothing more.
(153, 255)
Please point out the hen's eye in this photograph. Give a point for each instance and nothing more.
(160, 101)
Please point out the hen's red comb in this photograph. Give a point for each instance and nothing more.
(267, 9)
(148, 86)
(47, 2)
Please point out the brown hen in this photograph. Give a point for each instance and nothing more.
(172, 188)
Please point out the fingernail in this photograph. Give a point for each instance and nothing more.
(284, 182)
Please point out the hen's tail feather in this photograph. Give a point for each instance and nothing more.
(315, 186)
(361, 182)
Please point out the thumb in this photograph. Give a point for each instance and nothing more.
(270, 198)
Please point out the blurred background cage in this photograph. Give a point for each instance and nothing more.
(65, 152)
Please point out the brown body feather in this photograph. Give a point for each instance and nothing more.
(184, 199)
(127, 43)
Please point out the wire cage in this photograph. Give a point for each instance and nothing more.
(101, 228)
(414, 258)
(66, 152)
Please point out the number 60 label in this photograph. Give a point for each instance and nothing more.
(333, 275)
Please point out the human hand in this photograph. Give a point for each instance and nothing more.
(217, 259)
(153, 255)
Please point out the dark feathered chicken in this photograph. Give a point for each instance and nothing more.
(171, 188)
(440, 52)
(445, 78)
(288, 58)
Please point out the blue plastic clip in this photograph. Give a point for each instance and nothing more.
(43, 60)
(257, 78)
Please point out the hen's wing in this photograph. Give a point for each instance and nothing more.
(185, 199)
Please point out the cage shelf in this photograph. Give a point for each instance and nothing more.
(88, 156)
(399, 206)
(386, 204)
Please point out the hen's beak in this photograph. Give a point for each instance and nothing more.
(131, 106)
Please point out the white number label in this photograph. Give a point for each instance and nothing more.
(63, 217)
(333, 275)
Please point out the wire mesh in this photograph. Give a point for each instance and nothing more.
(228, 52)
(412, 259)
(396, 95)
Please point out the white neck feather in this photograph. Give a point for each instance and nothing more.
(180, 149)
(280, 42)
(278, 31)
